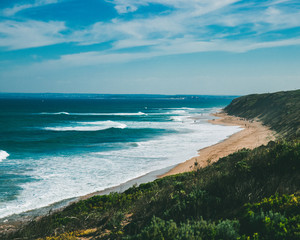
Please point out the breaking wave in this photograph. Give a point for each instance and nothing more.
(3, 155)
(89, 126)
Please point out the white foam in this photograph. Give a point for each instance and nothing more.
(97, 114)
(185, 108)
(178, 112)
(178, 118)
(3, 155)
(90, 172)
(109, 114)
(65, 113)
(129, 114)
(89, 126)
(56, 113)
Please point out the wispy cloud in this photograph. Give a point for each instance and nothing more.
(178, 46)
(20, 35)
(195, 21)
(189, 26)
(204, 6)
(19, 7)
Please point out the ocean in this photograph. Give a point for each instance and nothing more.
(60, 146)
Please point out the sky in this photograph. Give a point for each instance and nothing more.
(216, 47)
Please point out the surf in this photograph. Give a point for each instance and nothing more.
(89, 126)
(3, 155)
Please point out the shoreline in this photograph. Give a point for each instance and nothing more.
(14, 221)
(253, 135)
(255, 131)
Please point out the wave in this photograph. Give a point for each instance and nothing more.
(178, 112)
(177, 118)
(134, 144)
(3, 155)
(128, 114)
(184, 111)
(56, 113)
(96, 114)
(89, 126)
(184, 108)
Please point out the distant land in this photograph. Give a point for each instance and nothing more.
(97, 95)
(247, 195)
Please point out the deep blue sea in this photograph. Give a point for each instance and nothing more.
(60, 146)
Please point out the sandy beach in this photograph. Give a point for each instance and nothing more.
(253, 135)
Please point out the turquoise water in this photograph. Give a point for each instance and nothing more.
(57, 146)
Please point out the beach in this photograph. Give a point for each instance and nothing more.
(91, 144)
(253, 135)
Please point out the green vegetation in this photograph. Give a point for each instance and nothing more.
(227, 200)
(280, 110)
(248, 195)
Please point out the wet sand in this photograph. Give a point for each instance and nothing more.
(253, 135)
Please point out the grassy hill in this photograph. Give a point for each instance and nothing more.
(251, 194)
(280, 110)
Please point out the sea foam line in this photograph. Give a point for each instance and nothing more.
(95, 114)
(56, 113)
(121, 165)
(89, 126)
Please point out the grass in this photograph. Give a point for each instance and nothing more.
(280, 111)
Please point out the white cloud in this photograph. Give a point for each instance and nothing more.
(154, 29)
(192, 26)
(19, 35)
(177, 46)
(200, 6)
(19, 7)
(271, 44)
(196, 18)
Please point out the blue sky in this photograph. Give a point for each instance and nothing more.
(149, 46)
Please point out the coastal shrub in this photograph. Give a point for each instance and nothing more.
(257, 223)
(114, 221)
(71, 235)
(195, 204)
(160, 229)
(216, 193)
(242, 167)
(287, 204)
(277, 217)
